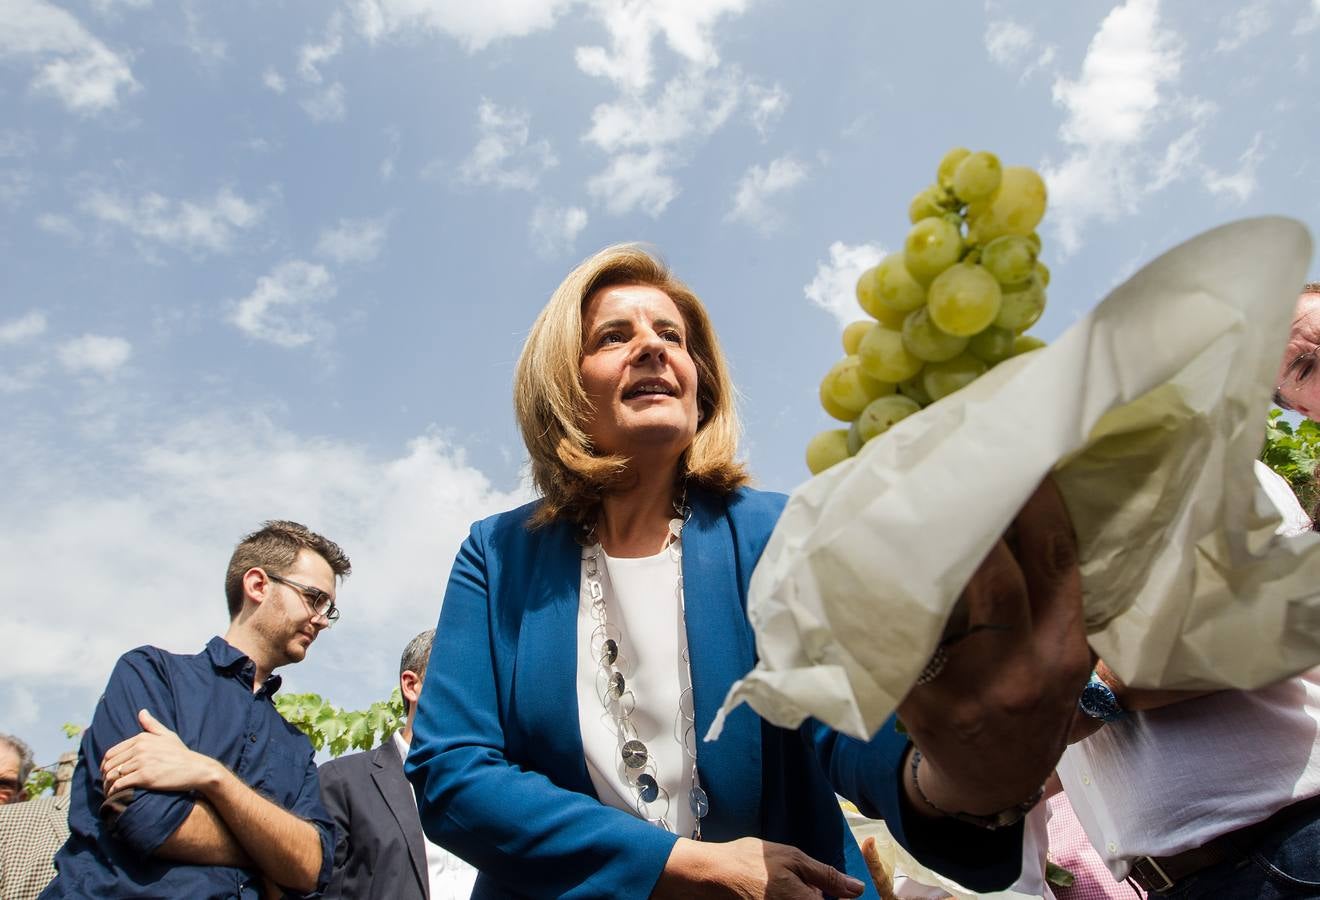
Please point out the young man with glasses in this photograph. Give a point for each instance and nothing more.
(189, 782)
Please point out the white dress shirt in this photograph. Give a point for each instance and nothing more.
(642, 603)
(449, 877)
(1166, 780)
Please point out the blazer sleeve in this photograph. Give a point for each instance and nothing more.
(335, 799)
(870, 773)
(509, 820)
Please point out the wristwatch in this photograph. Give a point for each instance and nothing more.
(1099, 702)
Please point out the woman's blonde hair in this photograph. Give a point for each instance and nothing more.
(553, 408)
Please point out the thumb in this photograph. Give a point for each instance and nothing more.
(149, 723)
(828, 879)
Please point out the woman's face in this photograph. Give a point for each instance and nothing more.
(637, 373)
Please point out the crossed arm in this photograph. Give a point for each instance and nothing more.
(230, 824)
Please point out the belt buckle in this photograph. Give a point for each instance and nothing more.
(1147, 870)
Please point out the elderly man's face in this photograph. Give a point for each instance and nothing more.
(1298, 384)
(10, 789)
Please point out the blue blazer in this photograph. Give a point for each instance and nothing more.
(497, 756)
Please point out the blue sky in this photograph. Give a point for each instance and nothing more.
(277, 259)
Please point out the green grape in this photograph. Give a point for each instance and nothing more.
(853, 334)
(949, 165)
(854, 439)
(1016, 208)
(1043, 273)
(851, 388)
(964, 299)
(1025, 343)
(1009, 259)
(826, 449)
(923, 339)
(890, 288)
(1021, 306)
(827, 402)
(943, 378)
(881, 414)
(1035, 241)
(868, 294)
(925, 204)
(977, 177)
(915, 391)
(932, 245)
(994, 345)
(883, 356)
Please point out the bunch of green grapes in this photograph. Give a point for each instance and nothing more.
(955, 301)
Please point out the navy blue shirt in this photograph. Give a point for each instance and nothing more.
(207, 700)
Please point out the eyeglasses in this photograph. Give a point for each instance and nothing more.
(316, 599)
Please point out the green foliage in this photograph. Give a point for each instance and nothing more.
(42, 780)
(1293, 452)
(340, 730)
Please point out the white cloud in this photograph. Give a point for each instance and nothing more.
(72, 64)
(15, 185)
(95, 354)
(209, 49)
(108, 7)
(1007, 42)
(198, 226)
(387, 165)
(751, 202)
(1112, 108)
(353, 240)
(24, 378)
(834, 289)
(1310, 21)
(312, 56)
(274, 81)
(694, 104)
(25, 327)
(399, 515)
(554, 229)
(1244, 24)
(16, 144)
(686, 26)
(634, 181)
(505, 155)
(767, 107)
(474, 25)
(1240, 184)
(326, 104)
(281, 308)
(61, 226)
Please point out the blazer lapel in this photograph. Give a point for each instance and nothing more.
(722, 649)
(398, 795)
(545, 678)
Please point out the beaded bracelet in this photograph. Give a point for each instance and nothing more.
(1002, 819)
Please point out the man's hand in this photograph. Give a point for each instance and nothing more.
(749, 869)
(155, 760)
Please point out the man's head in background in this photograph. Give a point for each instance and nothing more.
(15, 767)
(1298, 386)
(412, 673)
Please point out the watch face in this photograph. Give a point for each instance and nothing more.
(1098, 702)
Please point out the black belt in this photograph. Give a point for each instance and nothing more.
(1160, 874)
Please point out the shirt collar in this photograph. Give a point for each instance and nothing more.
(227, 658)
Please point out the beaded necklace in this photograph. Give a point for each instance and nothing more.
(619, 701)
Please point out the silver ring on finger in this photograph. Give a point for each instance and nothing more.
(938, 660)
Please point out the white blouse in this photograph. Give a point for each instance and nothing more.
(643, 606)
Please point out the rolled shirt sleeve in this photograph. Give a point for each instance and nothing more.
(142, 819)
(311, 810)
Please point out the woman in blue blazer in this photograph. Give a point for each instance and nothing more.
(532, 756)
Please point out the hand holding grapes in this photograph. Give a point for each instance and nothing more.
(991, 725)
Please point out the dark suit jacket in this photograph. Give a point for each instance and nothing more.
(379, 850)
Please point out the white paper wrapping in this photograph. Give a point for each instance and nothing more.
(1149, 411)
